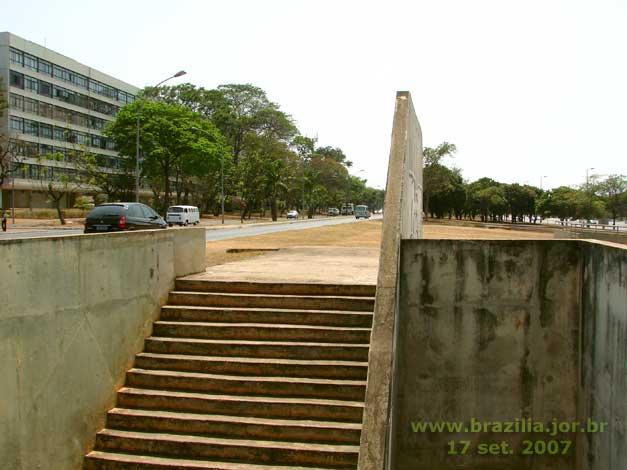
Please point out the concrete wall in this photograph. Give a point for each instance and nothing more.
(74, 311)
(603, 382)
(489, 331)
(401, 219)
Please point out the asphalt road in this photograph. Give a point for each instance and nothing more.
(212, 233)
(261, 229)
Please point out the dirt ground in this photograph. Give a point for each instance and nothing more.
(361, 234)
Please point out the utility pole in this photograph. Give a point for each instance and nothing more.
(177, 74)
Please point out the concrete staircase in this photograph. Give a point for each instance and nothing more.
(245, 376)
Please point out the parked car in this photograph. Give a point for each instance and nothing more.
(362, 212)
(333, 211)
(292, 214)
(120, 216)
(182, 215)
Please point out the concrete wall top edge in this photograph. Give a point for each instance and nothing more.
(159, 233)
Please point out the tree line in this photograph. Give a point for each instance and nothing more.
(448, 195)
(191, 138)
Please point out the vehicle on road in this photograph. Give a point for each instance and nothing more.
(182, 215)
(348, 209)
(115, 217)
(292, 214)
(362, 212)
(333, 211)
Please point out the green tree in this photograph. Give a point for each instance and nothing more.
(59, 179)
(614, 190)
(433, 175)
(168, 142)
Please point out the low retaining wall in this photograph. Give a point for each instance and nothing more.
(489, 331)
(603, 378)
(74, 311)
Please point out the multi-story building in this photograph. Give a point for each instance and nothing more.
(56, 106)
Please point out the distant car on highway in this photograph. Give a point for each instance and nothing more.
(362, 212)
(292, 214)
(333, 211)
(182, 215)
(119, 216)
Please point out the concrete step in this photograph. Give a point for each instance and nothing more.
(235, 427)
(259, 349)
(239, 405)
(253, 366)
(275, 288)
(263, 315)
(98, 460)
(247, 385)
(230, 450)
(361, 304)
(261, 332)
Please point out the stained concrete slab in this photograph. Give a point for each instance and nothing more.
(323, 265)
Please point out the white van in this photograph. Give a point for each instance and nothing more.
(182, 215)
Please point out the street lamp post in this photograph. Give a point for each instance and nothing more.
(197, 129)
(541, 178)
(177, 74)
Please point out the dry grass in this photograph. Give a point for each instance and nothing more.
(364, 233)
(361, 234)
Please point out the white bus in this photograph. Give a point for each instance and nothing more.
(182, 215)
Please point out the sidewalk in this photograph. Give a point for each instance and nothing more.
(304, 264)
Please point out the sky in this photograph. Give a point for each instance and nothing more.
(527, 90)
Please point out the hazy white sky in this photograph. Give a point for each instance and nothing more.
(523, 88)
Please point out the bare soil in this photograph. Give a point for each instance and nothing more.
(361, 234)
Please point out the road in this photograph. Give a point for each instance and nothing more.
(261, 229)
(213, 234)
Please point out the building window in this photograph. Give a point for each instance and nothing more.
(30, 84)
(30, 62)
(31, 149)
(31, 106)
(17, 102)
(46, 150)
(17, 57)
(45, 67)
(33, 172)
(45, 131)
(16, 79)
(58, 72)
(81, 81)
(45, 89)
(17, 124)
(45, 110)
(31, 127)
(59, 133)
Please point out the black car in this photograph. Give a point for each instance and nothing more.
(119, 216)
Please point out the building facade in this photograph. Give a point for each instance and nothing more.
(56, 106)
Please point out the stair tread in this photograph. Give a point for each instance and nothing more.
(277, 326)
(254, 360)
(240, 420)
(187, 438)
(289, 296)
(255, 398)
(262, 343)
(264, 309)
(239, 378)
(185, 463)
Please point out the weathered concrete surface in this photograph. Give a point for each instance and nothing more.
(307, 264)
(73, 312)
(489, 331)
(603, 386)
(596, 234)
(401, 219)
